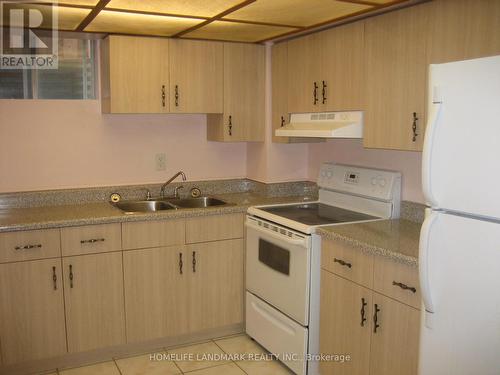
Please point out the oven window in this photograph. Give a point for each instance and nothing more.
(274, 256)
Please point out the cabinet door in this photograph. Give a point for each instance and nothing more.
(342, 330)
(155, 292)
(93, 292)
(463, 29)
(215, 284)
(304, 73)
(31, 311)
(341, 86)
(134, 75)
(196, 76)
(394, 348)
(395, 78)
(244, 91)
(279, 75)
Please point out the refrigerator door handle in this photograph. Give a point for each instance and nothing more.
(432, 123)
(423, 261)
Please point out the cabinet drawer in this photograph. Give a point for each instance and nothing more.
(153, 234)
(347, 261)
(213, 228)
(91, 239)
(397, 280)
(28, 245)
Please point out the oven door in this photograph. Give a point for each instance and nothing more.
(278, 267)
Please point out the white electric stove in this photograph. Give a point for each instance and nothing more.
(284, 253)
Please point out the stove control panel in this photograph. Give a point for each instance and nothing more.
(368, 182)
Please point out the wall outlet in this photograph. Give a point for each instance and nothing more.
(161, 161)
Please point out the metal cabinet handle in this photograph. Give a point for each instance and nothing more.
(414, 127)
(163, 96)
(180, 263)
(363, 318)
(71, 276)
(230, 124)
(404, 286)
(27, 247)
(54, 277)
(282, 121)
(194, 261)
(93, 240)
(342, 262)
(315, 93)
(323, 92)
(375, 319)
(176, 95)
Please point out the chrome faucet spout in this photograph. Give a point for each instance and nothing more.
(180, 173)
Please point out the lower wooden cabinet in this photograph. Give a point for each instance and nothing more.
(31, 311)
(93, 294)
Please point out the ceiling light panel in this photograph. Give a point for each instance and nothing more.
(129, 23)
(197, 8)
(295, 12)
(238, 32)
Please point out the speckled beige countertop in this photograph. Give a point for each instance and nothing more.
(15, 219)
(396, 239)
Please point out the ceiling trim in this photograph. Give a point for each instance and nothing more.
(150, 13)
(361, 2)
(261, 23)
(214, 18)
(92, 15)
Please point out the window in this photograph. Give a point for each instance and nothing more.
(75, 77)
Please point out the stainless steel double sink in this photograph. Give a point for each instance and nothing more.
(134, 206)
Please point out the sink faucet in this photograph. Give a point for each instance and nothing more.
(180, 173)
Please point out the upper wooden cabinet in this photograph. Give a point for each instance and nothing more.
(196, 76)
(134, 75)
(244, 95)
(396, 79)
(279, 85)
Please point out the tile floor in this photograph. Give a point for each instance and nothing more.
(232, 355)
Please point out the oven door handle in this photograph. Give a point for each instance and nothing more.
(288, 240)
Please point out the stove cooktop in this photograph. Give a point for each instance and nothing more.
(317, 214)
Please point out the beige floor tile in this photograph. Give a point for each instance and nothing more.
(104, 368)
(146, 365)
(229, 369)
(195, 357)
(240, 345)
(264, 368)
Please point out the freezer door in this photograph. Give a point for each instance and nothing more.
(460, 276)
(460, 161)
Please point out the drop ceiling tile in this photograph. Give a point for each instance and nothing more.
(238, 32)
(198, 8)
(128, 23)
(67, 18)
(295, 12)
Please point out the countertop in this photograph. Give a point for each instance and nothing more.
(396, 239)
(16, 219)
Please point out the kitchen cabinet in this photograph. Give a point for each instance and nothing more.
(143, 234)
(244, 95)
(156, 292)
(134, 75)
(91, 239)
(93, 294)
(215, 284)
(196, 76)
(396, 79)
(31, 311)
(216, 227)
(29, 245)
(279, 85)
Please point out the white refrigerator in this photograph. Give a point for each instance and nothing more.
(459, 259)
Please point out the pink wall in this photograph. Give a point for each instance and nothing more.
(54, 144)
(352, 152)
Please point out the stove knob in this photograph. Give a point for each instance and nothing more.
(382, 182)
(323, 173)
(329, 174)
(374, 181)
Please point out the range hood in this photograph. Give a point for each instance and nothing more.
(323, 125)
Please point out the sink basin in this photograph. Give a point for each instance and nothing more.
(201, 202)
(144, 206)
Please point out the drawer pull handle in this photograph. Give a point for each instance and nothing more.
(93, 240)
(375, 319)
(71, 276)
(315, 93)
(176, 96)
(414, 127)
(163, 96)
(323, 92)
(54, 277)
(194, 261)
(363, 318)
(180, 263)
(230, 125)
(342, 262)
(405, 287)
(27, 247)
